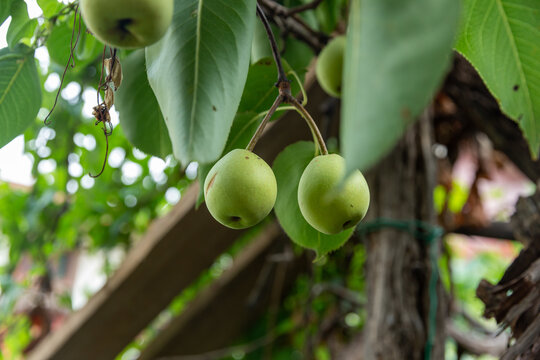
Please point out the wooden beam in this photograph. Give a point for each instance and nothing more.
(171, 255)
(219, 314)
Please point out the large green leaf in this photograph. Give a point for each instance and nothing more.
(198, 71)
(20, 92)
(501, 38)
(288, 168)
(140, 115)
(396, 55)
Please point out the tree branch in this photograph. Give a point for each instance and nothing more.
(275, 52)
(495, 230)
(476, 344)
(301, 8)
(296, 26)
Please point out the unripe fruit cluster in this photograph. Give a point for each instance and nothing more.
(240, 190)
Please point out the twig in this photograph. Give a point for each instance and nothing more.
(281, 73)
(225, 352)
(476, 344)
(340, 291)
(306, 316)
(277, 290)
(301, 8)
(71, 61)
(473, 323)
(495, 230)
(285, 95)
(106, 152)
(296, 26)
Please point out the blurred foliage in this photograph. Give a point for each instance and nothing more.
(314, 309)
(65, 209)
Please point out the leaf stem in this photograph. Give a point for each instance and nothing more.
(260, 129)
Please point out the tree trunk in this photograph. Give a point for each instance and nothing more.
(398, 265)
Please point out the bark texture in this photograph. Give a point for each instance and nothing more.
(398, 265)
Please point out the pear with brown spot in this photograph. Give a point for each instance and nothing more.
(240, 190)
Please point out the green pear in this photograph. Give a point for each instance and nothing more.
(329, 69)
(240, 189)
(326, 203)
(127, 23)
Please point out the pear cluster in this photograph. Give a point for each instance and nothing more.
(240, 190)
(127, 23)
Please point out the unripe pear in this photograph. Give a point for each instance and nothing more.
(329, 68)
(326, 203)
(127, 23)
(240, 190)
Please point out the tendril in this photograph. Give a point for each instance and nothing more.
(70, 62)
(101, 110)
(107, 134)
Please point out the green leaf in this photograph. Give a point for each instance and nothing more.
(50, 7)
(501, 38)
(140, 115)
(20, 92)
(260, 90)
(21, 27)
(260, 46)
(198, 71)
(288, 168)
(396, 55)
(329, 14)
(5, 10)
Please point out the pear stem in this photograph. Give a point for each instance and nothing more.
(311, 123)
(260, 129)
(285, 95)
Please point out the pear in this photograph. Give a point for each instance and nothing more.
(240, 190)
(327, 203)
(127, 23)
(329, 69)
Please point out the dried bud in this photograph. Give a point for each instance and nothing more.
(116, 75)
(109, 97)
